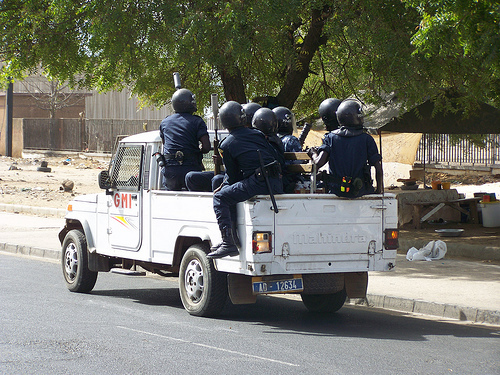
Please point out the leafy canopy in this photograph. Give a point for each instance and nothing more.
(289, 52)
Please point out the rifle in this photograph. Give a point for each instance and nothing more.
(305, 131)
(266, 178)
(215, 111)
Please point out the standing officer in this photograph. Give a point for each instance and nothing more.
(350, 152)
(181, 134)
(240, 155)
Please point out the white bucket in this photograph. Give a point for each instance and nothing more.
(491, 214)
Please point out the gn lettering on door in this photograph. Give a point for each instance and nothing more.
(123, 200)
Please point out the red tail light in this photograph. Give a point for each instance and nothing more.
(391, 239)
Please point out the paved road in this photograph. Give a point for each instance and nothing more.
(136, 325)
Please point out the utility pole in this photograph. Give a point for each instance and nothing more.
(9, 106)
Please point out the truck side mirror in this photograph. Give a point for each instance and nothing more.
(104, 181)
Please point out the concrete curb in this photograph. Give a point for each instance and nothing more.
(461, 313)
(33, 210)
(441, 310)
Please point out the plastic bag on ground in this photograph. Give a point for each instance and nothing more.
(434, 250)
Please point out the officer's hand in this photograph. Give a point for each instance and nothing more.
(312, 152)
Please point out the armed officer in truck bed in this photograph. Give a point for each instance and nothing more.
(244, 175)
(182, 134)
(350, 152)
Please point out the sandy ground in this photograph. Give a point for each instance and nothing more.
(21, 182)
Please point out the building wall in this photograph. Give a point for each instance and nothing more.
(121, 106)
(17, 137)
(25, 106)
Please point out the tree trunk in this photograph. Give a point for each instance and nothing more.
(298, 71)
(234, 89)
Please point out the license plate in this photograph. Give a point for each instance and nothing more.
(277, 286)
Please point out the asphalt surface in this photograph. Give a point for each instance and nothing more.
(136, 325)
(464, 290)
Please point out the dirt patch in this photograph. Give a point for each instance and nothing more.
(463, 178)
(25, 181)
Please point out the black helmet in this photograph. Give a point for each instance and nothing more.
(327, 110)
(231, 115)
(286, 120)
(183, 101)
(265, 120)
(250, 109)
(350, 114)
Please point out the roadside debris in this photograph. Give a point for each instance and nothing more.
(44, 167)
(434, 250)
(68, 185)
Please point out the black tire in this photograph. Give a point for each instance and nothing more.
(44, 169)
(324, 302)
(74, 262)
(202, 288)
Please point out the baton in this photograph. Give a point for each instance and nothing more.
(215, 111)
(266, 178)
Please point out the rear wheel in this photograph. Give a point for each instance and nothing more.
(75, 268)
(324, 302)
(202, 288)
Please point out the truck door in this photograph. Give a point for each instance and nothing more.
(125, 213)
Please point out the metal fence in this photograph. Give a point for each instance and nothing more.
(441, 149)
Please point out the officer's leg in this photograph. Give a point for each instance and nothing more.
(217, 180)
(224, 200)
(199, 181)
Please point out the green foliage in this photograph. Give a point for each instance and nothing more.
(366, 49)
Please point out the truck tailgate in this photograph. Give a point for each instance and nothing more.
(328, 233)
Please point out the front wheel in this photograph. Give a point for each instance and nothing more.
(324, 302)
(202, 288)
(75, 268)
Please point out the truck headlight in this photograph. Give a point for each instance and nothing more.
(261, 242)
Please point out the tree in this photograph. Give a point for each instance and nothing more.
(290, 52)
(51, 95)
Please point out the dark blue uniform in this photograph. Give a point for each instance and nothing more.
(240, 157)
(291, 143)
(181, 132)
(203, 181)
(350, 151)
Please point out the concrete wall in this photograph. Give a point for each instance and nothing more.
(17, 137)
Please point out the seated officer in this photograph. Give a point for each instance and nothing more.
(181, 134)
(207, 181)
(286, 127)
(349, 152)
(240, 155)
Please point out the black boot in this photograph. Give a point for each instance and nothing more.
(226, 248)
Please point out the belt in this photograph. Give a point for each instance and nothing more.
(180, 157)
(272, 170)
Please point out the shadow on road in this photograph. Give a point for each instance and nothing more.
(286, 316)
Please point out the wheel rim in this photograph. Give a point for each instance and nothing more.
(71, 261)
(193, 280)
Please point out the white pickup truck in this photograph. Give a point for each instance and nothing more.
(318, 245)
